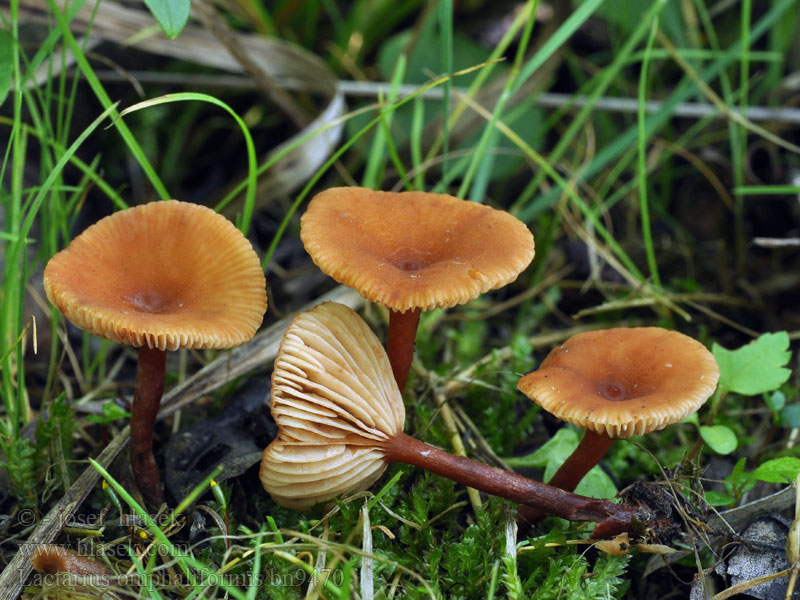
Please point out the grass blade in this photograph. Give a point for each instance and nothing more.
(252, 171)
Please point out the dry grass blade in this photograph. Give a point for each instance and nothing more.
(367, 567)
(720, 103)
(455, 440)
(749, 584)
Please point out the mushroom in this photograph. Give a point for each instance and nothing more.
(160, 276)
(51, 559)
(413, 251)
(616, 383)
(340, 422)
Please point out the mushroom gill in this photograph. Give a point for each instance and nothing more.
(335, 402)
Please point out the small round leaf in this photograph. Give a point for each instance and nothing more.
(719, 438)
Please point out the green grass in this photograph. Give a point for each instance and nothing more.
(619, 186)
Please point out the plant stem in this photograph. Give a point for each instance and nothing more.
(590, 451)
(146, 402)
(400, 343)
(612, 518)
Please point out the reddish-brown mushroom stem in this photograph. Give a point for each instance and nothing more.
(146, 403)
(611, 518)
(590, 451)
(400, 343)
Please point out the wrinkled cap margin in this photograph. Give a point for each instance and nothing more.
(335, 401)
(624, 381)
(411, 250)
(165, 275)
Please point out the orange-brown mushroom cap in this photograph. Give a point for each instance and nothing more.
(625, 381)
(165, 275)
(412, 250)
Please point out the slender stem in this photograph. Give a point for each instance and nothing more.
(400, 343)
(592, 448)
(590, 451)
(146, 402)
(612, 518)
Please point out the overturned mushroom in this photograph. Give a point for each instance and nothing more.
(413, 251)
(160, 276)
(616, 383)
(340, 418)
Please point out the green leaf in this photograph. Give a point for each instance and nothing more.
(718, 498)
(6, 68)
(170, 14)
(776, 400)
(739, 481)
(556, 449)
(111, 412)
(737, 477)
(552, 454)
(719, 438)
(790, 415)
(597, 484)
(778, 470)
(755, 368)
